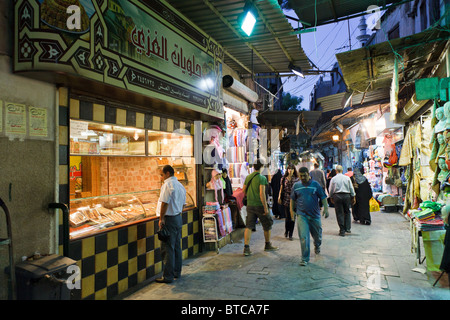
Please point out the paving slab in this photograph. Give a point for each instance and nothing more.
(372, 263)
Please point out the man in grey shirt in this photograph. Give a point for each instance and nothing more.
(319, 176)
(342, 195)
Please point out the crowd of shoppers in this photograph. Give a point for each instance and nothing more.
(301, 196)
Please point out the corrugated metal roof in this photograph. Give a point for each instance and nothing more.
(327, 130)
(288, 118)
(370, 68)
(321, 12)
(269, 49)
(335, 101)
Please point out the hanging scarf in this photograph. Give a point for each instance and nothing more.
(216, 184)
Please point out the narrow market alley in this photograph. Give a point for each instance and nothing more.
(347, 268)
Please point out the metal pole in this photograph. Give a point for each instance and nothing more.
(349, 35)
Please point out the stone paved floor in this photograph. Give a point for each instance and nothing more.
(345, 269)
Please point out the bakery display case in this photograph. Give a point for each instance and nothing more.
(92, 215)
(115, 174)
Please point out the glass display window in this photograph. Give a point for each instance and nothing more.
(92, 215)
(112, 185)
(90, 138)
(168, 144)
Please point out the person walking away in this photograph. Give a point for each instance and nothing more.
(361, 209)
(290, 177)
(319, 176)
(305, 197)
(275, 185)
(349, 172)
(330, 176)
(342, 195)
(257, 208)
(171, 201)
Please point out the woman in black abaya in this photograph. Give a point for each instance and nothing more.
(361, 210)
(275, 184)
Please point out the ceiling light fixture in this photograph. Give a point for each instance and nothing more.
(247, 19)
(296, 70)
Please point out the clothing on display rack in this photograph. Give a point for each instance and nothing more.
(428, 216)
(223, 214)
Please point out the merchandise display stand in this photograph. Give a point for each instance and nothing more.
(210, 231)
(217, 223)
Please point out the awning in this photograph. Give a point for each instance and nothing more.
(233, 102)
(354, 114)
(271, 47)
(371, 68)
(315, 154)
(358, 99)
(326, 131)
(287, 119)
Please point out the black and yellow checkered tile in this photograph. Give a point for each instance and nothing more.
(117, 260)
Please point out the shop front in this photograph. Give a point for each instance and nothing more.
(223, 210)
(114, 189)
(379, 158)
(410, 153)
(130, 87)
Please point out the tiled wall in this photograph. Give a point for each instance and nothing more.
(118, 260)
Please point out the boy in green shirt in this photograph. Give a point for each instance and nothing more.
(255, 189)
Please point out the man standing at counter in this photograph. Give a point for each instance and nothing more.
(171, 202)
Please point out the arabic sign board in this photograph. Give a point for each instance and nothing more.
(142, 46)
(427, 88)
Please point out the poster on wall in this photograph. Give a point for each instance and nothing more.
(15, 119)
(75, 175)
(37, 122)
(146, 47)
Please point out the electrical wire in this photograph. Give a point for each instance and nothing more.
(311, 81)
(315, 24)
(326, 38)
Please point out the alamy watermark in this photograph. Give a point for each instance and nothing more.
(373, 278)
(74, 280)
(375, 19)
(73, 22)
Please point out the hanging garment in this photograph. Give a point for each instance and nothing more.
(393, 159)
(445, 262)
(220, 222)
(406, 154)
(216, 184)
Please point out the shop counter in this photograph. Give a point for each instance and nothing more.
(120, 257)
